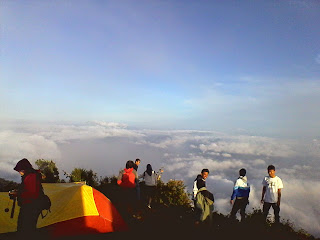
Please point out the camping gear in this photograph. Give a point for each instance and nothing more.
(76, 209)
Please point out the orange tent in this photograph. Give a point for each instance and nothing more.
(76, 209)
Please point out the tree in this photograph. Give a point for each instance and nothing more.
(81, 175)
(49, 169)
(6, 186)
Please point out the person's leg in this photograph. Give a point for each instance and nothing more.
(197, 212)
(236, 206)
(266, 207)
(21, 219)
(27, 220)
(243, 205)
(138, 191)
(276, 210)
(152, 194)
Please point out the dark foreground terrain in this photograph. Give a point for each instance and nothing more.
(177, 223)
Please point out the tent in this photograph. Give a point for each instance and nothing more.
(76, 209)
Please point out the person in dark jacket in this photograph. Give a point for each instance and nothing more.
(135, 167)
(202, 211)
(27, 196)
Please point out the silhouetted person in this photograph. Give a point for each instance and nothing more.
(240, 194)
(27, 195)
(271, 193)
(135, 167)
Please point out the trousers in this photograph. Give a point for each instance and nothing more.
(276, 210)
(239, 204)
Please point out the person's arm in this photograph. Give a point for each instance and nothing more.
(141, 176)
(263, 192)
(135, 174)
(279, 197)
(234, 192)
(195, 190)
(158, 174)
(119, 180)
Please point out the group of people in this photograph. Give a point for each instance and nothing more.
(128, 179)
(271, 195)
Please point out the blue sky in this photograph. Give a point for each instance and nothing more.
(250, 66)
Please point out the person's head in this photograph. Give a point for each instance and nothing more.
(149, 167)
(22, 166)
(137, 162)
(129, 164)
(204, 173)
(242, 172)
(272, 171)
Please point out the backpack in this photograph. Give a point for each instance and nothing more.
(44, 204)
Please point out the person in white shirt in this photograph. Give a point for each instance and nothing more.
(271, 193)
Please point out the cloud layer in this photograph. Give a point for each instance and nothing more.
(106, 146)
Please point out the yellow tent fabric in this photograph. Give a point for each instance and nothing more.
(69, 201)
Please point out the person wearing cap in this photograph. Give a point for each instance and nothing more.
(27, 194)
(240, 195)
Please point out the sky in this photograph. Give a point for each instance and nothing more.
(183, 85)
(209, 65)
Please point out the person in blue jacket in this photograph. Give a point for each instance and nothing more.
(240, 195)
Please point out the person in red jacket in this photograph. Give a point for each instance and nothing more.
(127, 180)
(27, 196)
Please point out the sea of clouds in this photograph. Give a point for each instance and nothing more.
(105, 147)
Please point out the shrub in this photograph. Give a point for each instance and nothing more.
(172, 193)
(83, 175)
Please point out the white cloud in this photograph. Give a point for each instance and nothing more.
(105, 147)
(259, 162)
(15, 146)
(249, 146)
(226, 155)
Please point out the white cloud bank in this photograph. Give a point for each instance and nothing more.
(105, 147)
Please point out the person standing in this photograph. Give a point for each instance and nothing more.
(271, 193)
(135, 167)
(27, 196)
(150, 178)
(240, 195)
(200, 182)
(203, 199)
(136, 164)
(127, 180)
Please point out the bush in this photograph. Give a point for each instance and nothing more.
(172, 193)
(83, 175)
